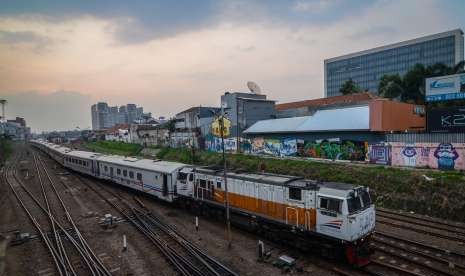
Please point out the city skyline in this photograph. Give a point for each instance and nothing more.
(60, 57)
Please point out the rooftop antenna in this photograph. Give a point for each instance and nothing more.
(254, 88)
(3, 103)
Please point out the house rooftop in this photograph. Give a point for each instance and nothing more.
(358, 98)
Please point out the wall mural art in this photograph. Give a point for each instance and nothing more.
(443, 156)
(446, 156)
(213, 143)
(289, 147)
(344, 150)
(380, 153)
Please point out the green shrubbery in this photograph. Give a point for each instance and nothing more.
(113, 147)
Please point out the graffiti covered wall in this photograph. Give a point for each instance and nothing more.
(334, 150)
(443, 156)
(380, 154)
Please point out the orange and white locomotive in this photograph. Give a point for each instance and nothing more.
(334, 219)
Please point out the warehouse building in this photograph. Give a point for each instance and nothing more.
(341, 132)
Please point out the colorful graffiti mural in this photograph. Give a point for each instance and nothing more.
(443, 156)
(289, 147)
(380, 154)
(335, 150)
(213, 143)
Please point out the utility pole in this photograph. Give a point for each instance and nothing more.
(228, 222)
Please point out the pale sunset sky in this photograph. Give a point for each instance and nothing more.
(59, 57)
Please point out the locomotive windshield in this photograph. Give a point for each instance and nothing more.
(358, 201)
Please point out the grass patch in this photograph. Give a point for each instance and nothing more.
(391, 187)
(113, 147)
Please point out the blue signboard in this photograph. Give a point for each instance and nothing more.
(445, 88)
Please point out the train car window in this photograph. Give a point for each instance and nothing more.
(80, 162)
(203, 183)
(354, 204)
(191, 177)
(323, 203)
(139, 176)
(105, 168)
(131, 174)
(365, 199)
(125, 173)
(182, 176)
(218, 184)
(118, 171)
(165, 185)
(295, 193)
(333, 205)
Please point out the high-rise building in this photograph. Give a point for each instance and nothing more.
(104, 116)
(366, 68)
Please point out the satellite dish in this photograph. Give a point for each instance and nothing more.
(254, 88)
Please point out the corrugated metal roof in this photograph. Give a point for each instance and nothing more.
(341, 119)
(358, 98)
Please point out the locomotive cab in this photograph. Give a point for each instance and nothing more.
(349, 216)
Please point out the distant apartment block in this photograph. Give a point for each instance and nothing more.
(366, 68)
(105, 117)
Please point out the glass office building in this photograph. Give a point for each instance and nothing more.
(366, 68)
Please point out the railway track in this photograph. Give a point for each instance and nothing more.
(422, 229)
(62, 242)
(433, 223)
(410, 260)
(185, 257)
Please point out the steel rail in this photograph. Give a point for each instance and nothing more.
(59, 243)
(419, 222)
(63, 229)
(171, 258)
(206, 259)
(144, 224)
(70, 237)
(45, 239)
(423, 218)
(96, 263)
(411, 260)
(393, 267)
(422, 231)
(444, 251)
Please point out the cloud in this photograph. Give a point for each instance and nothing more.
(119, 55)
(312, 5)
(60, 110)
(38, 43)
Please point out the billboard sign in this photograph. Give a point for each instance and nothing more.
(446, 120)
(445, 88)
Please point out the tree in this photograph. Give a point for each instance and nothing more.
(411, 87)
(391, 86)
(349, 87)
(459, 67)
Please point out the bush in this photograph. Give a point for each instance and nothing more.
(113, 147)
